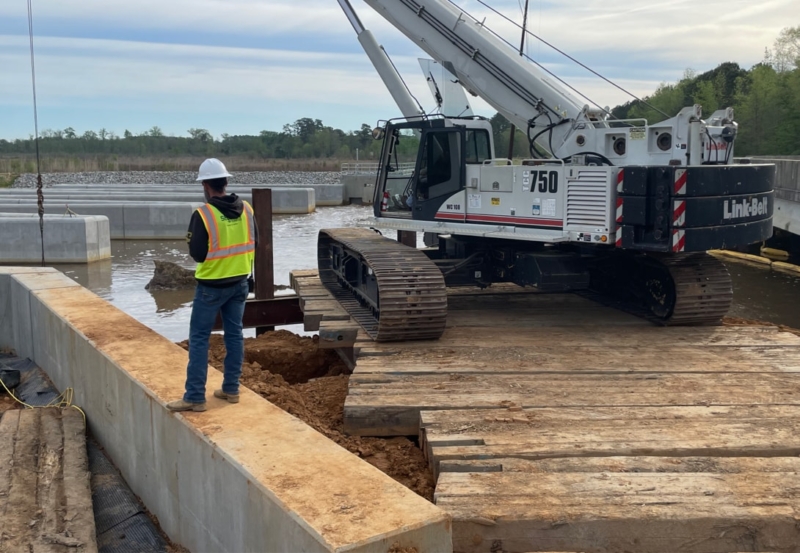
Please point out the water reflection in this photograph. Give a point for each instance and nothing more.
(168, 301)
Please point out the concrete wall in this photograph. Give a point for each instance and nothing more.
(127, 220)
(83, 239)
(787, 190)
(358, 188)
(787, 176)
(289, 200)
(325, 194)
(244, 477)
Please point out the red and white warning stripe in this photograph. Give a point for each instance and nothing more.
(620, 180)
(679, 213)
(678, 240)
(680, 182)
(619, 236)
(620, 201)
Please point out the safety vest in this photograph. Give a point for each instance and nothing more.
(231, 244)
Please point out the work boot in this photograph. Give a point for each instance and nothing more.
(180, 405)
(232, 398)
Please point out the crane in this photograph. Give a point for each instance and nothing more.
(624, 209)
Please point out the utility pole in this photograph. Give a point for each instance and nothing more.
(521, 50)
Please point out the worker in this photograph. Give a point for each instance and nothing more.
(222, 238)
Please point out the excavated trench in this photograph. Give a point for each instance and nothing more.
(291, 372)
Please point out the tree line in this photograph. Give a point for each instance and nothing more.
(765, 98)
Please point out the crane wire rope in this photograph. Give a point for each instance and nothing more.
(39, 194)
(521, 52)
(543, 41)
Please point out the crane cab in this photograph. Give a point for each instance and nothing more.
(450, 152)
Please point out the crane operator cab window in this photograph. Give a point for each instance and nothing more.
(440, 173)
(477, 147)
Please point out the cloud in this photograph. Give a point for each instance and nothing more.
(239, 61)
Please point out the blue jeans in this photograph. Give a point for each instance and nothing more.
(209, 301)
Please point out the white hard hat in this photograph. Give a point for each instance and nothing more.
(212, 168)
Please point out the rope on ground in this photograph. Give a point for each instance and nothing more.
(62, 401)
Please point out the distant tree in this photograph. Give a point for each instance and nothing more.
(128, 134)
(89, 135)
(102, 133)
(69, 133)
(200, 134)
(154, 131)
(303, 128)
(785, 53)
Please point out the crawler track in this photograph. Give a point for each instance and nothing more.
(394, 292)
(672, 290)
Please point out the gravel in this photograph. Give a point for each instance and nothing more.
(110, 178)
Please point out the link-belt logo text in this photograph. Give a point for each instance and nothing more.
(746, 208)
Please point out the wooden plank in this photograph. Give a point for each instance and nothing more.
(599, 465)
(567, 338)
(391, 403)
(554, 359)
(327, 305)
(645, 513)
(9, 421)
(753, 431)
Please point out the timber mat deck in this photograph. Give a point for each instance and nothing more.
(553, 423)
(45, 495)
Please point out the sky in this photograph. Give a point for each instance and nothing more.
(243, 66)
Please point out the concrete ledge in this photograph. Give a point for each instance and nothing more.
(245, 477)
(82, 239)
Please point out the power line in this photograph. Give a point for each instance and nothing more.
(543, 41)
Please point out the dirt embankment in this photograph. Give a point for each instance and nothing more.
(293, 373)
(738, 321)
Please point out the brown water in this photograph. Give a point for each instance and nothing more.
(122, 279)
(758, 293)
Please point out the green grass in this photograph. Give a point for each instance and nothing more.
(7, 179)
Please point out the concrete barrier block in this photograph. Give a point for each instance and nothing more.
(81, 239)
(116, 220)
(355, 186)
(293, 200)
(157, 220)
(244, 477)
(324, 194)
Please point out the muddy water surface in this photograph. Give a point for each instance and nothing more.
(122, 279)
(758, 293)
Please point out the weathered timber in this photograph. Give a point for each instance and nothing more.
(398, 401)
(641, 512)
(45, 495)
(534, 434)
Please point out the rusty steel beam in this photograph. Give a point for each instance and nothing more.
(269, 312)
(264, 277)
(407, 238)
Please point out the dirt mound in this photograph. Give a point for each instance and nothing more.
(291, 372)
(169, 276)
